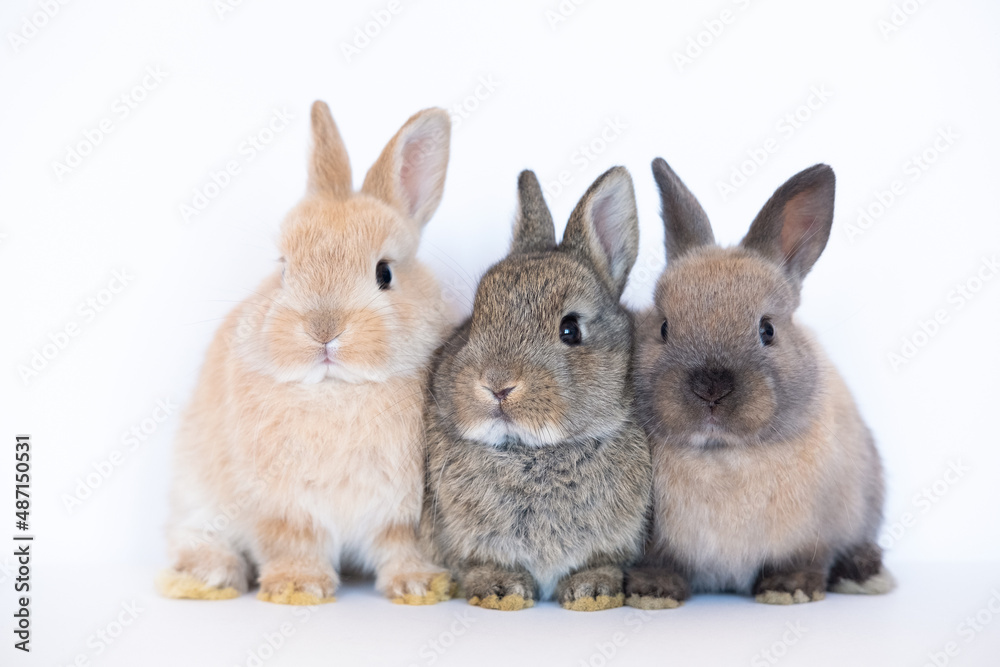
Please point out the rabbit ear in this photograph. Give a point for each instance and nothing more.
(604, 228)
(409, 174)
(793, 227)
(533, 228)
(329, 168)
(684, 221)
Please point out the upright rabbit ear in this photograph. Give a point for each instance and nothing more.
(533, 228)
(793, 227)
(684, 221)
(604, 228)
(409, 174)
(329, 168)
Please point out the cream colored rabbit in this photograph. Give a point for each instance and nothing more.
(302, 448)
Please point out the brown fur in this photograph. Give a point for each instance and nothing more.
(765, 474)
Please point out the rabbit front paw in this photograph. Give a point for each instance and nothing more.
(790, 587)
(654, 588)
(205, 573)
(493, 587)
(594, 589)
(297, 587)
(420, 588)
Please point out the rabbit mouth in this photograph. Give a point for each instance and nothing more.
(713, 438)
(328, 356)
(709, 421)
(499, 415)
(499, 429)
(328, 366)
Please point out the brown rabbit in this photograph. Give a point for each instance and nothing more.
(766, 479)
(303, 445)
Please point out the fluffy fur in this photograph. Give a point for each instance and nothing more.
(766, 479)
(302, 447)
(538, 476)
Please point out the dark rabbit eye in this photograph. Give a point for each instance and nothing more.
(383, 275)
(569, 330)
(663, 330)
(766, 330)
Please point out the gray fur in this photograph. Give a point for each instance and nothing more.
(604, 228)
(765, 476)
(559, 506)
(533, 228)
(685, 222)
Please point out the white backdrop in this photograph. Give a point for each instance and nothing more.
(116, 115)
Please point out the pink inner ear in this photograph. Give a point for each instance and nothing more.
(607, 218)
(603, 212)
(802, 216)
(415, 170)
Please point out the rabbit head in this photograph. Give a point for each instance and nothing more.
(721, 361)
(545, 356)
(349, 300)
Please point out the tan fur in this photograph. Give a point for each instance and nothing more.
(768, 501)
(596, 603)
(650, 603)
(173, 584)
(766, 479)
(783, 598)
(296, 463)
(506, 603)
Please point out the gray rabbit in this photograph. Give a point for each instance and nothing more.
(766, 479)
(538, 477)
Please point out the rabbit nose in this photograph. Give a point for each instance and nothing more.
(499, 382)
(322, 328)
(711, 384)
(502, 393)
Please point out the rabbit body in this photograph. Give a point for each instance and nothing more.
(302, 449)
(766, 479)
(726, 513)
(538, 476)
(544, 509)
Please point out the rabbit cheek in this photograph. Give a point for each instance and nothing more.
(753, 408)
(596, 374)
(539, 410)
(366, 341)
(661, 397)
(290, 350)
